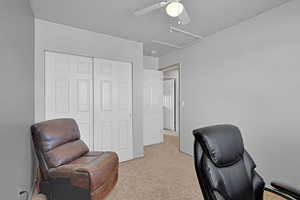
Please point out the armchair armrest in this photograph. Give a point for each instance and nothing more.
(291, 191)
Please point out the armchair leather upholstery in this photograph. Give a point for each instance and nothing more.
(69, 170)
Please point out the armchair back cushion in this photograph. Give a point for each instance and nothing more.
(58, 142)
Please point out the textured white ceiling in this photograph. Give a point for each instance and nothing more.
(115, 17)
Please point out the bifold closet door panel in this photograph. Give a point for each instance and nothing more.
(113, 107)
(69, 91)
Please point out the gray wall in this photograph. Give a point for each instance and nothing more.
(61, 38)
(150, 62)
(248, 75)
(16, 101)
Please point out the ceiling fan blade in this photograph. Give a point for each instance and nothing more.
(150, 8)
(184, 17)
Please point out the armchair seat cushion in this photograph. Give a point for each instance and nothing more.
(91, 171)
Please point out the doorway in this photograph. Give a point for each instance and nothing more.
(171, 100)
(169, 104)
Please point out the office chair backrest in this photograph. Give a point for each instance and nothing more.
(225, 170)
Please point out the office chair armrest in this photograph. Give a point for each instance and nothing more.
(280, 193)
(291, 191)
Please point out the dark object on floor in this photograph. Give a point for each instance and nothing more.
(69, 170)
(226, 171)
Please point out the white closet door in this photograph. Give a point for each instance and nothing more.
(69, 91)
(153, 107)
(169, 104)
(113, 107)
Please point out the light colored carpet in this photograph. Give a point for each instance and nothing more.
(39, 197)
(162, 174)
(168, 132)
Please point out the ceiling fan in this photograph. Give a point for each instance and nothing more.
(174, 8)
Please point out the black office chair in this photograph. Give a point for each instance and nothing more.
(226, 171)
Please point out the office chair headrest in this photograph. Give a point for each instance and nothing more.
(222, 153)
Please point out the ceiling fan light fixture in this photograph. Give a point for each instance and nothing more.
(174, 9)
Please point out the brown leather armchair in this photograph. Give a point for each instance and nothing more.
(69, 170)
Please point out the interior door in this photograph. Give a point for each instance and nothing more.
(169, 104)
(153, 107)
(68, 91)
(113, 107)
